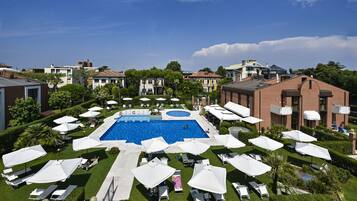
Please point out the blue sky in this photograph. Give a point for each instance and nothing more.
(143, 33)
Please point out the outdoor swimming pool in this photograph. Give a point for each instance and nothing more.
(178, 113)
(171, 130)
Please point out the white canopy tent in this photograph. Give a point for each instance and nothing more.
(209, 178)
(298, 136)
(248, 165)
(65, 119)
(144, 99)
(252, 120)
(112, 102)
(153, 173)
(23, 155)
(55, 170)
(312, 115)
(63, 128)
(229, 141)
(175, 99)
(127, 99)
(266, 143)
(95, 108)
(193, 147)
(238, 109)
(89, 114)
(312, 150)
(154, 144)
(85, 143)
(161, 99)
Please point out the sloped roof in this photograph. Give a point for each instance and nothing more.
(204, 74)
(109, 73)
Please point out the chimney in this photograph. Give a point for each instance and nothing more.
(243, 62)
(277, 78)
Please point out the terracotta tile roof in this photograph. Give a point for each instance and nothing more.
(109, 73)
(204, 74)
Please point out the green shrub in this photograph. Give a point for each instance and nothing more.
(323, 134)
(244, 137)
(114, 150)
(225, 124)
(189, 106)
(223, 130)
(342, 174)
(344, 147)
(343, 161)
(76, 111)
(306, 197)
(76, 195)
(307, 130)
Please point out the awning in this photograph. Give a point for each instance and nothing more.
(312, 115)
(222, 114)
(281, 110)
(252, 120)
(238, 109)
(340, 109)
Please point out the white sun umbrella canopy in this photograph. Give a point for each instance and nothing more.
(127, 99)
(95, 108)
(153, 173)
(248, 165)
(266, 143)
(23, 155)
(89, 114)
(298, 136)
(161, 99)
(175, 99)
(65, 119)
(85, 143)
(312, 150)
(112, 102)
(66, 127)
(229, 141)
(144, 99)
(55, 170)
(154, 144)
(193, 147)
(209, 178)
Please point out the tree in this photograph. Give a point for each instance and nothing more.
(169, 91)
(206, 69)
(24, 111)
(102, 94)
(115, 92)
(78, 92)
(221, 71)
(38, 134)
(82, 75)
(103, 68)
(174, 66)
(190, 88)
(54, 80)
(275, 131)
(60, 100)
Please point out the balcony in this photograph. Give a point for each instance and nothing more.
(340, 109)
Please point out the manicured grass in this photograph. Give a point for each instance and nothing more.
(350, 189)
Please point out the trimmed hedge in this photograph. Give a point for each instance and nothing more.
(10, 135)
(305, 197)
(343, 161)
(344, 147)
(323, 134)
(76, 195)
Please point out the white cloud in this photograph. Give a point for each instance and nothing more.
(290, 52)
(306, 2)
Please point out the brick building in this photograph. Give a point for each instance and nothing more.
(13, 86)
(294, 102)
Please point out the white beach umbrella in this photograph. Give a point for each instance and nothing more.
(55, 170)
(193, 147)
(161, 99)
(175, 99)
(85, 143)
(209, 178)
(248, 165)
(229, 141)
(266, 143)
(144, 99)
(112, 102)
(65, 119)
(127, 99)
(312, 150)
(154, 144)
(298, 136)
(65, 127)
(153, 173)
(95, 108)
(89, 114)
(23, 155)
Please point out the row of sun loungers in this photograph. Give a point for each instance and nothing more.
(19, 181)
(203, 196)
(243, 191)
(59, 194)
(15, 179)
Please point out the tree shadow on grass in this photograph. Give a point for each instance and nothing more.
(96, 153)
(77, 179)
(145, 192)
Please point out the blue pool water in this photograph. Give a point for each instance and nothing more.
(171, 130)
(178, 113)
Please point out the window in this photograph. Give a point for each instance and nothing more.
(112, 81)
(32, 93)
(150, 82)
(295, 104)
(310, 84)
(96, 80)
(104, 80)
(323, 110)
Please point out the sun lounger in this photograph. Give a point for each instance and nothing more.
(164, 160)
(92, 163)
(224, 157)
(7, 171)
(196, 195)
(256, 157)
(260, 188)
(40, 194)
(186, 161)
(143, 161)
(63, 193)
(163, 192)
(218, 197)
(242, 190)
(324, 167)
(177, 181)
(204, 162)
(15, 174)
(19, 181)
